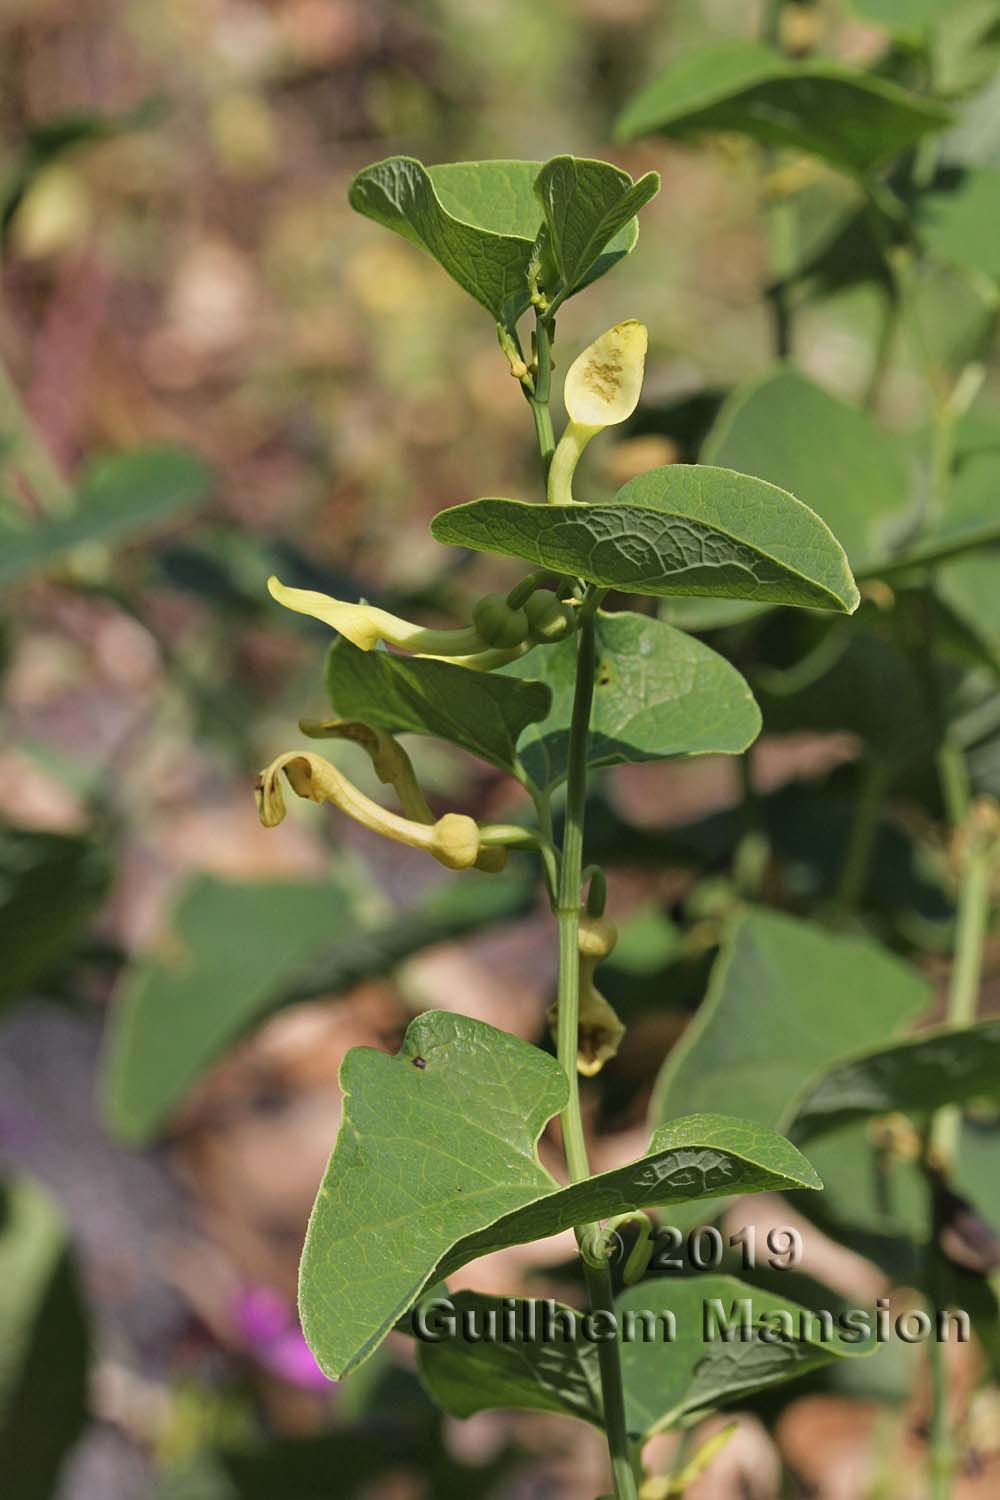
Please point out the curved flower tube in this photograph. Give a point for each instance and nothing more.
(453, 840)
(364, 625)
(602, 388)
(394, 768)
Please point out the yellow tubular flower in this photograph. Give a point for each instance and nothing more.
(602, 389)
(394, 768)
(599, 1030)
(364, 625)
(453, 840)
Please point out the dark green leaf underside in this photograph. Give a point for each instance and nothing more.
(482, 712)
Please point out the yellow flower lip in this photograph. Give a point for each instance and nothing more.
(603, 383)
(364, 625)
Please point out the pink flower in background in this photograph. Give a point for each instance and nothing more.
(274, 1338)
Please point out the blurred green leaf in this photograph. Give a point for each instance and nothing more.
(658, 693)
(905, 16)
(848, 117)
(959, 220)
(452, 1123)
(117, 498)
(785, 428)
(227, 951)
(920, 1074)
(50, 886)
(683, 529)
(481, 711)
(44, 1345)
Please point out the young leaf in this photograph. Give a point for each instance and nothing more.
(117, 498)
(44, 1344)
(436, 1165)
(586, 204)
(481, 711)
(480, 220)
(684, 529)
(788, 430)
(228, 950)
(676, 1361)
(920, 1074)
(850, 118)
(658, 693)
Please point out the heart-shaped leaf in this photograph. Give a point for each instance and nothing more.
(684, 529)
(658, 692)
(118, 497)
(676, 1361)
(481, 711)
(481, 220)
(586, 205)
(436, 1165)
(945, 1066)
(788, 430)
(228, 950)
(848, 117)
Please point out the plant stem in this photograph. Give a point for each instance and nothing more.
(861, 839)
(568, 904)
(539, 401)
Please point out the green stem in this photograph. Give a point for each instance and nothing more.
(568, 904)
(609, 1358)
(963, 990)
(30, 455)
(569, 897)
(541, 396)
(861, 839)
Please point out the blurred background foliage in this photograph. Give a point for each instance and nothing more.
(194, 322)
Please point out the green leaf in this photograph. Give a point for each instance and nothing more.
(904, 16)
(658, 693)
(44, 1345)
(785, 1001)
(586, 205)
(679, 1370)
(683, 529)
(117, 498)
(50, 886)
(966, 519)
(697, 1373)
(959, 221)
(228, 949)
(480, 220)
(918, 1075)
(848, 117)
(436, 1165)
(788, 430)
(528, 1373)
(481, 711)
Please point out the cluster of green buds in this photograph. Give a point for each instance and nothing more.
(600, 1029)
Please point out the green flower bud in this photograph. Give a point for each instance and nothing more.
(549, 619)
(497, 624)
